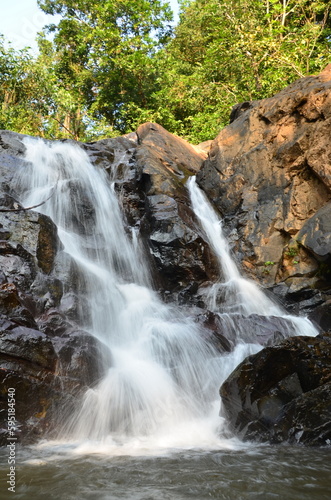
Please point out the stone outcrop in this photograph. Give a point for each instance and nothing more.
(268, 173)
(282, 393)
(151, 185)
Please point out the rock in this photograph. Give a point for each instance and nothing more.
(30, 345)
(113, 155)
(315, 234)
(81, 359)
(33, 242)
(282, 393)
(176, 155)
(230, 329)
(12, 308)
(321, 315)
(151, 187)
(168, 225)
(268, 174)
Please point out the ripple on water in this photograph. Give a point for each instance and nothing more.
(253, 472)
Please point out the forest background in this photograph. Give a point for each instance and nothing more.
(107, 66)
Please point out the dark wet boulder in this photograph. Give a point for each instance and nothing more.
(12, 308)
(47, 374)
(30, 243)
(29, 345)
(82, 359)
(230, 329)
(321, 315)
(282, 393)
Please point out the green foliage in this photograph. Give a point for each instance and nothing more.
(105, 52)
(292, 252)
(115, 64)
(267, 266)
(230, 51)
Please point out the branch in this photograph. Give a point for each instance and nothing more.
(24, 209)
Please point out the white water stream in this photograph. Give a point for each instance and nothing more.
(240, 295)
(161, 388)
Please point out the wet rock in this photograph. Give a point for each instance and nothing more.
(321, 315)
(212, 323)
(81, 358)
(30, 345)
(168, 225)
(151, 170)
(11, 152)
(231, 329)
(33, 242)
(113, 155)
(179, 252)
(282, 393)
(12, 307)
(35, 395)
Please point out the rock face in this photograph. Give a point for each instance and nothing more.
(44, 355)
(151, 185)
(283, 393)
(269, 175)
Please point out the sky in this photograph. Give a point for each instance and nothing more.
(21, 20)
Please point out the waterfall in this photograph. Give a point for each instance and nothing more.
(163, 377)
(239, 294)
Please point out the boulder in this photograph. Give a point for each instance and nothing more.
(315, 234)
(230, 329)
(282, 393)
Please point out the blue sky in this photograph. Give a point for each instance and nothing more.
(21, 20)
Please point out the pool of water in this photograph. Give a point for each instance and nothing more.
(235, 473)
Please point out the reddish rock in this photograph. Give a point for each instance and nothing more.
(269, 174)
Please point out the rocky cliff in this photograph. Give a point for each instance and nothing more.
(267, 173)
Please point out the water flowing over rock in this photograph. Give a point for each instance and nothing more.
(268, 173)
(121, 305)
(155, 201)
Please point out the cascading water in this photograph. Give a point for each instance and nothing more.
(162, 377)
(239, 294)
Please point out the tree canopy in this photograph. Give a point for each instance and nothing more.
(114, 64)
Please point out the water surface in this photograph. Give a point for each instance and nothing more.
(244, 472)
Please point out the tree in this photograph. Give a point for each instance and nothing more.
(227, 51)
(14, 89)
(114, 64)
(32, 99)
(104, 53)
